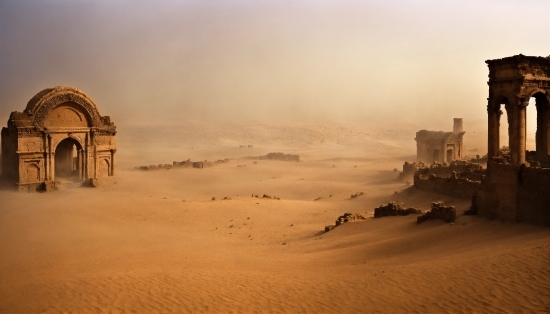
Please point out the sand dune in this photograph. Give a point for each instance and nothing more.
(155, 242)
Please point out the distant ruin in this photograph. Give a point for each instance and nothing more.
(440, 146)
(277, 156)
(59, 134)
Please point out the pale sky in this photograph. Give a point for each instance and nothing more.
(284, 60)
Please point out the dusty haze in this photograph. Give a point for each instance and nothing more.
(285, 60)
(344, 84)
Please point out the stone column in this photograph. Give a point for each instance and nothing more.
(522, 132)
(493, 132)
(46, 163)
(518, 133)
(79, 163)
(113, 161)
(87, 156)
(50, 165)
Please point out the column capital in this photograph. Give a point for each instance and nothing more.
(523, 102)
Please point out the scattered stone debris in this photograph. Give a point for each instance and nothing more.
(394, 209)
(213, 198)
(266, 196)
(343, 219)
(438, 211)
(226, 198)
(357, 194)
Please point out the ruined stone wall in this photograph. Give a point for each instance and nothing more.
(515, 193)
(463, 169)
(457, 187)
(455, 166)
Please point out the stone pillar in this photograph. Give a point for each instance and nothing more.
(50, 165)
(518, 133)
(87, 157)
(522, 132)
(79, 163)
(457, 125)
(113, 161)
(493, 132)
(45, 165)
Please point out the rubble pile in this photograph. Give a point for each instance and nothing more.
(394, 209)
(438, 211)
(266, 196)
(343, 219)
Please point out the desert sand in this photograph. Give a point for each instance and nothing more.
(156, 242)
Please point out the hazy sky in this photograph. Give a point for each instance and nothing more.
(288, 60)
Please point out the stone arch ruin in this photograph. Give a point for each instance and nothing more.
(515, 187)
(441, 146)
(59, 134)
(512, 82)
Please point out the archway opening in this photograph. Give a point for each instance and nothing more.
(503, 125)
(68, 163)
(531, 116)
(542, 123)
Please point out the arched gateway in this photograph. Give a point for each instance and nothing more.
(60, 133)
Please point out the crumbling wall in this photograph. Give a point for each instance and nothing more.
(446, 170)
(515, 193)
(464, 169)
(183, 164)
(278, 156)
(454, 186)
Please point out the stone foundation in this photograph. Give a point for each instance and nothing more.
(515, 193)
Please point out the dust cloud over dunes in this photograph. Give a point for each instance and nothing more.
(199, 140)
(155, 241)
(343, 84)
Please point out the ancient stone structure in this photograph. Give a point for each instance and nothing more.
(458, 184)
(519, 190)
(277, 156)
(512, 82)
(440, 146)
(59, 134)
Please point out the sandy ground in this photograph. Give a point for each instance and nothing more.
(155, 242)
